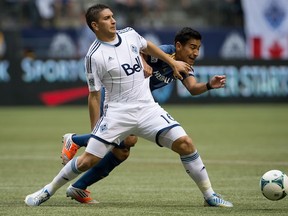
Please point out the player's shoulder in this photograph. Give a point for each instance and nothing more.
(168, 48)
(93, 48)
(126, 30)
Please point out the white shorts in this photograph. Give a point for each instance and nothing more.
(146, 120)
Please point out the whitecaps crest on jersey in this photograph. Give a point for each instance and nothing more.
(134, 49)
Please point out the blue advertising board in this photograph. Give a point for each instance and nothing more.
(54, 73)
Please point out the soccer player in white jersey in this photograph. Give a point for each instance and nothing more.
(186, 47)
(129, 108)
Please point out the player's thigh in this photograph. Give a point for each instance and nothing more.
(114, 126)
(98, 148)
(155, 122)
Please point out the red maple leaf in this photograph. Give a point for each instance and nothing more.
(276, 50)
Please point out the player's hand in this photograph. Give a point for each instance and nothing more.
(180, 67)
(218, 81)
(147, 69)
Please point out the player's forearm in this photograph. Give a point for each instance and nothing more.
(178, 67)
(155, 51)
(198, 89)
(194, 87)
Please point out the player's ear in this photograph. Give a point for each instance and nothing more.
(178, 45)
(94, 25)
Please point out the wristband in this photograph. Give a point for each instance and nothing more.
(208, 86)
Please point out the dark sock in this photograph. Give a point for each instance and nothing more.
(99, 171)
(81, 140)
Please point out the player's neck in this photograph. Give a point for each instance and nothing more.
(107, 38)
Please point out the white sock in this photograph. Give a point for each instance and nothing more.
(196, 170)
(66, 174)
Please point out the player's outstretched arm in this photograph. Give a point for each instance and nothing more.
(218, 81)
(195, 88)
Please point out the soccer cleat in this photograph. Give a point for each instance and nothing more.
(37, 198)
(69, 148)
(217, 201)
(82, 196)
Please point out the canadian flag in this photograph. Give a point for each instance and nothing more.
(266, 28)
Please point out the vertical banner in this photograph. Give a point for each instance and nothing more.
(266, 28)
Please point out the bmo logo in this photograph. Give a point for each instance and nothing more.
(129, 70)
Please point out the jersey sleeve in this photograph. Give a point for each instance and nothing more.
(93, 79)
(190, 73)
(142, 40)
(168, 48)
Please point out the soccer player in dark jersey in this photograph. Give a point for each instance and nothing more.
(186, 48)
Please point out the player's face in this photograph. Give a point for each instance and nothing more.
(188, 52)
(105, 27)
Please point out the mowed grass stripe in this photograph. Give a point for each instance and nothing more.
(238, 143)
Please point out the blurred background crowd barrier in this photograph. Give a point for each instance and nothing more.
(43, 42)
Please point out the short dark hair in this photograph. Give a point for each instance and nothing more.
(186, 34)
(92, 13)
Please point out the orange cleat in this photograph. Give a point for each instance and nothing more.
(82, 196)
(69, 148)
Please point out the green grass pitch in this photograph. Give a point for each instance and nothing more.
(238, 143)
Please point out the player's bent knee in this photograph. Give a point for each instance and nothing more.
(183, 146)
(130, 141)
(121, 154)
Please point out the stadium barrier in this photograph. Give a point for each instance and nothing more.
(54, 82)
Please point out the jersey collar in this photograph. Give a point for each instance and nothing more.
(119, 41)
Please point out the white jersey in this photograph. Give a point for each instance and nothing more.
(130, 108)
(118, 67)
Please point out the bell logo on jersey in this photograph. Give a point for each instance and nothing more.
(129, 70)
